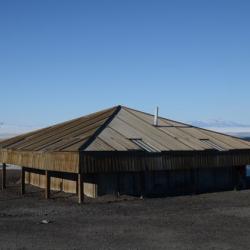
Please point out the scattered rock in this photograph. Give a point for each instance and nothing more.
(45, 222)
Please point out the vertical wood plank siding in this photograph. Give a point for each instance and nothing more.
(93, 162)
(98, 162)
(56, 161)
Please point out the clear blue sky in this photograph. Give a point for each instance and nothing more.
(62, 59)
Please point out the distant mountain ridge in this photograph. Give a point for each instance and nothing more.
(219, 124)
(227, 127)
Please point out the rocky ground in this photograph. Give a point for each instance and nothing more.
(208, 221)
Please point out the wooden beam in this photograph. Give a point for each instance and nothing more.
(77, 185)
(23, 181)
(4, 176)
(80, 189)
(47, 187)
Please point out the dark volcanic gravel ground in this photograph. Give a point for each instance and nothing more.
(208, 221)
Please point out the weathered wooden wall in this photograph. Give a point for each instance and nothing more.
(57, 184)
(167, 182)
(103, 162)
(54, 161)
(60, 184)
(147, 183)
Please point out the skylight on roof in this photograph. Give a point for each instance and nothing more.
(212, 144)
(145, 146)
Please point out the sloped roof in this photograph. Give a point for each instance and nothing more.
(118, 129)
(67, 136)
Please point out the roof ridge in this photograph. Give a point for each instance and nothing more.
(101, 128)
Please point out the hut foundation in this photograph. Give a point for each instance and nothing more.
(47, 183)
(80, 188)
(23, 181)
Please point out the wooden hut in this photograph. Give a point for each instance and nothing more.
(124, 151)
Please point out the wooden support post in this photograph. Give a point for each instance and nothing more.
(4, 176)
(80, 189)
(77, 185)
(47, 188)
(23, 181)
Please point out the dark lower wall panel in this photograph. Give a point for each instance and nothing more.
(130, 183)
(149, 183)
(210, 180)
(167, 183)
(120, 183)
(180, 182)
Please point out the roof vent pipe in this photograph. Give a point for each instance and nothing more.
(156, 116)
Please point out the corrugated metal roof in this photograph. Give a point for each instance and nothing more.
(67, 136)
(115, 129)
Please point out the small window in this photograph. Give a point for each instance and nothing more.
(145, 146)
(212, 144)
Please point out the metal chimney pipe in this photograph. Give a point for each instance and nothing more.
(156, 116)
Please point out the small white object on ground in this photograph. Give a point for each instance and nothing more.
(45, 221)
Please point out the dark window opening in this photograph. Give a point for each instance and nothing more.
(212, 144)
